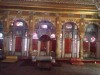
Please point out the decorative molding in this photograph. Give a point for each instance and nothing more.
(86, 2)
(82, 16)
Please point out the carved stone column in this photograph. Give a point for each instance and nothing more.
(39, 47)
(30, 45)
(13, 45)
(31, 29)
(58, 27)
(98, 45)
(81, 45)
(48, 47)
(82, 32)
(5, 43)
(5, 39)
(6, 29)
(58, 46)
(63, 42)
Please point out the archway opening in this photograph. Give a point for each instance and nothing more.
(44, 38)
(91, 41)
(18, 41)
(70, 40)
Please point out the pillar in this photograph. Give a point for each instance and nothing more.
(25, 46)
(63, 45)
(48, 47)
(98, 45)
(81, 48)
(5, 39)
(31, 30)
(5, 43)
(74, 48)
(39, 47)
(58, 31)
(78, 47)
(30, 45)
(9, 45)
(82, 32)
(58, 53)
(13, 45)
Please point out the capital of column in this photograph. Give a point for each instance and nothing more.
(81, 34)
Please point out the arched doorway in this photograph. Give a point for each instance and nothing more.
(1, 36)
(71, 40)
(44, 40)
(91, 41)
(45, 44)
(18, 38)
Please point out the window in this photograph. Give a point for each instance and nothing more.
(69, 26)
(44, 26)
(19, 24)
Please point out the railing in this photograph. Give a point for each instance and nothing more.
(86, 2)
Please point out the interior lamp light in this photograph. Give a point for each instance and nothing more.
(44, 26)
(93, 39)
(52, 35)
(85, 39)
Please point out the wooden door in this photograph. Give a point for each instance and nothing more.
(43, 45)
(68, 42)
(53, 42)
(85, 46)
(34, 44)
(18, 44)
(92, 49)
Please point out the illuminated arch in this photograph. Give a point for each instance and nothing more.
(20, 26)
(44, 28)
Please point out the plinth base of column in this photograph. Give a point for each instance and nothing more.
(76, 61)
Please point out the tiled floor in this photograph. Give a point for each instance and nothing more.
(28, 68)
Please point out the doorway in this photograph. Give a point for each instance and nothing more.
(91, 42)
(71, 40)
(18, 44)
(45, 35)
(18, 38)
